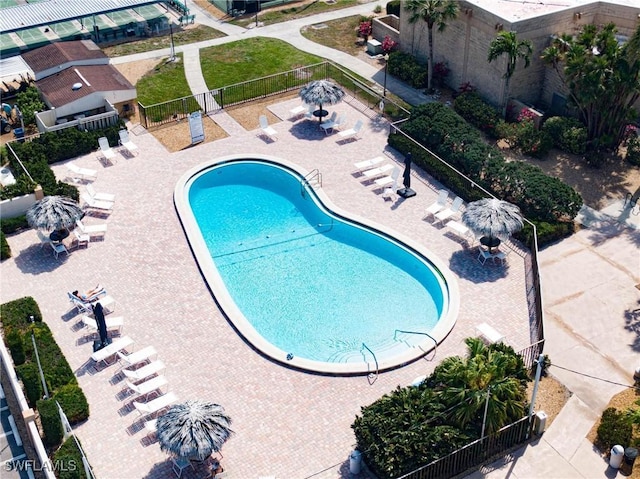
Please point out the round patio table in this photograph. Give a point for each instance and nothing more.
(59, 235)
(490, 242)
(320, 113)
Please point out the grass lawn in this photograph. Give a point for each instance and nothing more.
(339, 34)
(271, 16)
(166, 82)
(249, 59)
(194, 34)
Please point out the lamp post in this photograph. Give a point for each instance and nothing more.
(386, 63)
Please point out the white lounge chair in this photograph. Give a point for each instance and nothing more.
(103, 355)
(336, 124)
(105, 149)
(99, 196)
(81, 238)
(351, 133)
(368, 164)
(156, 405)
(460, 229)
(489, 333)
(113, 323)
(107, 302)
(267, 130)
(376, 172)
(154, 367)
(145, 389)
(126, 142)
(392, 179)
(439, 204)
(81, 173)
(300, 110)
(92, 230)
(59, 248)
(89, 202)
(448, 212)
(134, 358)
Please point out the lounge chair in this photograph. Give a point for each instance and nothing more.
(99, 196)
(105, 149)
(145, 371)
(300, 110)
(103, 355)
(89, 202)
(81, 238)
(459, 229)
(126, 142)
(134, 358)
(59, 248)
(448, 212)
(376, 172)
(156, 405)
(439, 204)
(489, 333)
(145, 389)
(351, 133)
(368, 164)
(392, 179)
(330, 126)
(267, 130)
(114, 324)
(81, 173)
(92, 230)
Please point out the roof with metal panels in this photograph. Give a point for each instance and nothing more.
(22, 17)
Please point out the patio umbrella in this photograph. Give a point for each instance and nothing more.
(193, 429)
(492, 219)
(407, 192)
(321, 92)
(54, 213)
(98, 313)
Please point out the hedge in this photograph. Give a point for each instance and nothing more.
(5, 250)
(30, 377)
(51, 424)
(69, 461)
(73, 403)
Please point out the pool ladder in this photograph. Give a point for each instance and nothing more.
(312, 179)
(372, 377)
(435, 343)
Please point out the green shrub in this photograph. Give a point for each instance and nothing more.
(17, 313)
(11, 225)
(406, 68)
(5, 249)
(477, 112)
(51, 425)
(29, 102)
(30, 377)
(393, 7)
(568, 134)
(531, 141)
(615, 428)
(73, 402)
(57, 371)
(68, 458)
(633, 151)
(13, 338)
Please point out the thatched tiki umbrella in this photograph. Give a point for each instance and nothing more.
(321, 92)
(53, 213)
(193, 429)
(492, 219)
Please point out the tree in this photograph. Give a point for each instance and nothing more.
(507, 43)
(433, 13)
(602, 76)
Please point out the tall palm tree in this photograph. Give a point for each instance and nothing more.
(507, 43)
(434, 13)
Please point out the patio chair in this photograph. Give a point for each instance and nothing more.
(126, 142)
(351, 133)
(59, 248)
(459, 229)
(81, 238)
(99, 196)
(154, 367)
(439, 204)
(44, 239)
(179, 464)
(92, 230)
(448, 212)
(300, 110)
(376, 172)
(330, 127)
(156, 405)
(148, 387)
(392, 179)
(114, 324)
(267, 130)
(368, 164)
(105, 149)
(144, 354)
(89, 202)
(81, 173)
(329, 122)
(103, 355)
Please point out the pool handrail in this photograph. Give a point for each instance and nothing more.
(435, 347)
(364, 346)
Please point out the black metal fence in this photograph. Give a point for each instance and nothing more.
(175, 110)
(475, 453)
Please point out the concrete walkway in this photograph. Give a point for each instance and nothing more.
(592, 304)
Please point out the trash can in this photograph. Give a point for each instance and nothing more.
(355, 462)
(617, 454)
(630, 455)
(19, 134)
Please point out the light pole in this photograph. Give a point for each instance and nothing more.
(386, 63)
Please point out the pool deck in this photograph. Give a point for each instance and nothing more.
(288, 424)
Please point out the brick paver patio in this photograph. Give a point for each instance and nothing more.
(287, 424)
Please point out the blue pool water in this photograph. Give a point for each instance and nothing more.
(311, 283)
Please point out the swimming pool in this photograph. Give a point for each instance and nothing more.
(304, 282)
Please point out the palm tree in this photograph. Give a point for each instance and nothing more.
(508, 43)
(434, 13)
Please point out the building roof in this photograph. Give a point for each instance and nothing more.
(13, 67)
(59, 53)
(22, 17)
(59, 90)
